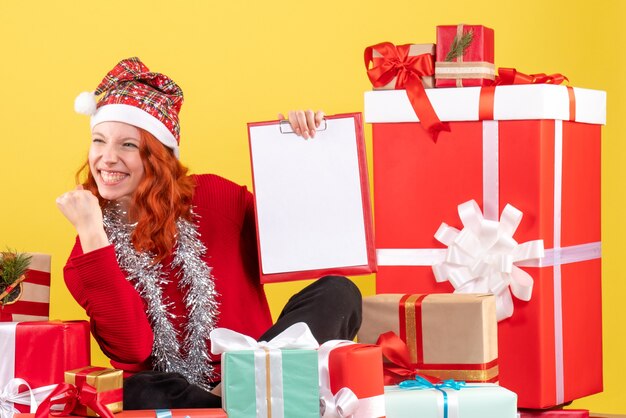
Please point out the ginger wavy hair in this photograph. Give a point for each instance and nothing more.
(162, 196)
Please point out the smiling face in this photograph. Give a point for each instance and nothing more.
(115, 161)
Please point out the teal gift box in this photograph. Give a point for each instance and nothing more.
(291, 386)
(475, 400)
(275, 379)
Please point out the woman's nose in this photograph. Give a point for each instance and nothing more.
(109, 154)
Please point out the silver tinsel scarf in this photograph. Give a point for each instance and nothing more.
(195, 279)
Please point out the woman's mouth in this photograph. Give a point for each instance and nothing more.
(112, 177)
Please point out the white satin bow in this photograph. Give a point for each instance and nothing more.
(10, 395)
(341, 405)
(481, 257)
(297, 336)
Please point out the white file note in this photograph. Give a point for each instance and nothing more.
(308, 196)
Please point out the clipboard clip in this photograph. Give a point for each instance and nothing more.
(285, 126)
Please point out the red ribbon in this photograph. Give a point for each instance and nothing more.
(409, 70)
(416, 324)
(397, 352)
(510, 76)
(73, 397)
(401, 368)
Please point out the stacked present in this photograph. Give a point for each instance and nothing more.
(38, 355)
(35, 356)
(492, 188)
(441, 354)
(292, 376)
(45, 365)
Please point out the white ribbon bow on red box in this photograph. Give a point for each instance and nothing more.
(482, 257)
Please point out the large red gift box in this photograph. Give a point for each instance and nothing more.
(33, 302)
(40, 353)
(532, 157)
(351, 380)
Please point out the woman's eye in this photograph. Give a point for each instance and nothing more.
(130, 144)
(97, 140)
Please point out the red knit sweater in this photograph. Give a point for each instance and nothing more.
(118, 314)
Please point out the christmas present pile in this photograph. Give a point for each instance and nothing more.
(488, 183)
(35, 352)
(45, 365)
(292, 376)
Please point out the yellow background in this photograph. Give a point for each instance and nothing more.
(241, 61)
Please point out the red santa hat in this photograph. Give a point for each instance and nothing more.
(134, 95)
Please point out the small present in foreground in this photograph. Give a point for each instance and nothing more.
(351, 380)
(556, 413)
(449, 336)
(107, 383)
(598, 415)
(451, 399)
(274, 378)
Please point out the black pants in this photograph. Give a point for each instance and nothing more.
(330, 306)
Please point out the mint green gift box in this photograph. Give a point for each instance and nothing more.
(298, 381)
(475, 400)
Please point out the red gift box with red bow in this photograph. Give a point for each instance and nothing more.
(39, 353)
(351, 380)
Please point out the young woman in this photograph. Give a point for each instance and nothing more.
(163, 257)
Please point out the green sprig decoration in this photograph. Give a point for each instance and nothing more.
(458, 47)
(12, 266)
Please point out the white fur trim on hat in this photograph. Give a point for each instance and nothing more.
(136, 117)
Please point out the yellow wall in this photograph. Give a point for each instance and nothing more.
(241, 61)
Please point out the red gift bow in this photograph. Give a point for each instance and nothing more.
(397, 352)
(409, 70)
(70, 395)
(510, 76)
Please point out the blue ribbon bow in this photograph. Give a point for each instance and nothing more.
(420, 383)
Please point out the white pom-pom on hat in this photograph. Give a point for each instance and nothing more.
(85, 103)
